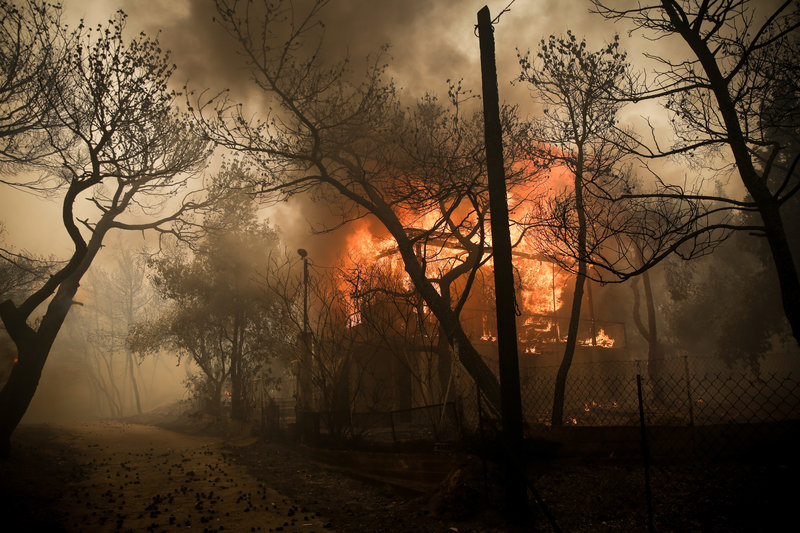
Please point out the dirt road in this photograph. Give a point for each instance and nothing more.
(143, 478)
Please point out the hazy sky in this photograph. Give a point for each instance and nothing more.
(430, 41)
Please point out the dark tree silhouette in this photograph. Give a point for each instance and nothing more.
(576, 135)
(32, 63)
(121, 152)
(736, 95)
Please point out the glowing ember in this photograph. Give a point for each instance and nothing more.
(601, 340)
(486, 335)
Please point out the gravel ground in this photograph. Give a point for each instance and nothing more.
(581, 495)
(124, 477)
(111, 476)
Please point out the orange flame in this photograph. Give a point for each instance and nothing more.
(541, 283)
(601, 340)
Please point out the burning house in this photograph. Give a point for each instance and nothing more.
(401, 361)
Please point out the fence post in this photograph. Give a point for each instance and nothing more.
(645, 456)
(688, 389)
(480, 411)
(391, 421)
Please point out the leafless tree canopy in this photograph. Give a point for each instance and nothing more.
(733, 104)
(32, 63)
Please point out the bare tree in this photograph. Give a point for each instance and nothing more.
(735, 96)
(20, 270)
(330, 364)
(575, 134)
(123, 153)
(32, 62)
(115, 300)
(350, 142)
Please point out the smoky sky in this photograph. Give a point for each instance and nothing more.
(430, 42)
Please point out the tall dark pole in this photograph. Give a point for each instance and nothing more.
(511, 404)
(305, 294)
(304, 367)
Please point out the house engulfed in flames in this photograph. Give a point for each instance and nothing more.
(406, 364)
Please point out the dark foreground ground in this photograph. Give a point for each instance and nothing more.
(111, 476)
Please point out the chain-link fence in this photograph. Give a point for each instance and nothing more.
(694, 409)
(691, 405)
(431, 423)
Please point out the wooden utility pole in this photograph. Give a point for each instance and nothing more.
(511, 404)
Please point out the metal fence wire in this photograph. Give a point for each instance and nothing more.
(699, 406)
(692, 405)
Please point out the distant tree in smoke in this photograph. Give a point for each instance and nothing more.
(113, 300)
(217, 313)
(727, 305)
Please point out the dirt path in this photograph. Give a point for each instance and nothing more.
(143, 478)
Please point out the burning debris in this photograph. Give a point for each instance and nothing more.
(601, 340)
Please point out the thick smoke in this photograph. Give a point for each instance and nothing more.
(430, 42)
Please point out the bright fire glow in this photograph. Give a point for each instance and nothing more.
(541, 282)
(601, 340)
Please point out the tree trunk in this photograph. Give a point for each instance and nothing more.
(237, 385)
(569, 351)
(19, 390)
(129, 319)
(655, 355)
(237, 402)
(33, 347)
(215, 405)
(134, 384)
(784, 265)
(473, 363)
(444, 361)
(575, 315)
